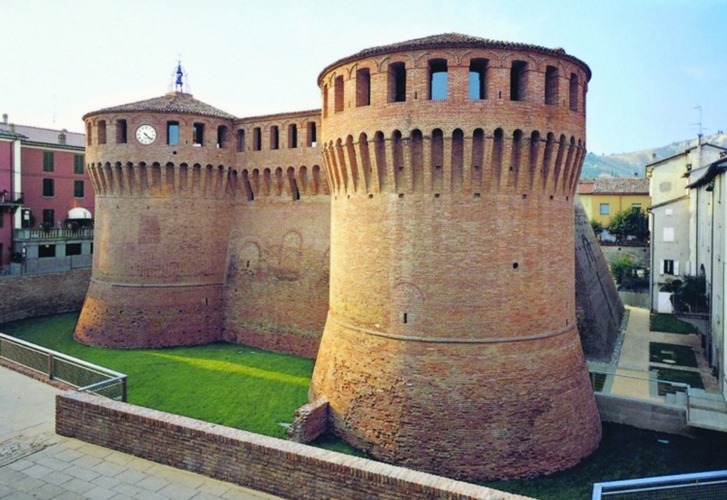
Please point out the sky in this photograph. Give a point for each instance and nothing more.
(659, 66)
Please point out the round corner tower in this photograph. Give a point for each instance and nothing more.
(451, 343)
(160, 172)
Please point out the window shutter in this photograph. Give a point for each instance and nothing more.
(676, 268)
(661, 266)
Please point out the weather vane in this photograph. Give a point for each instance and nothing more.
(179, 80)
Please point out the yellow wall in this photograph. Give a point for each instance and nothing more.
(616, 202)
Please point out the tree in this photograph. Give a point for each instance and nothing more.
(629, 223)
(690, 295)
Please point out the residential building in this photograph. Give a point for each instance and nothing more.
(687, 219)
(603, 197)
(46, 199)
(672, 210)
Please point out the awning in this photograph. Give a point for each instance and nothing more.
(79, 213)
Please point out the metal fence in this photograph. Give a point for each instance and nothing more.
(702, 486)
(57, 366)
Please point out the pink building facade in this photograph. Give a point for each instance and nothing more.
(46, 199)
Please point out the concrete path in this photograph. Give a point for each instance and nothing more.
(632, 371)
(37, 463)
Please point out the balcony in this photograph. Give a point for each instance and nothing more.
(10, 201)
(53, 234)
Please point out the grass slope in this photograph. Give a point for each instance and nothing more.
(221, 383)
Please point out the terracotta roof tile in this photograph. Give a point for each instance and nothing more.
(451, 40)
(625, 185)
(173, 102)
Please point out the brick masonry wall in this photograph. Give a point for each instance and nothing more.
(43, 294)
(311, 421)
(280, 467)
(451, 343)
(599, 308)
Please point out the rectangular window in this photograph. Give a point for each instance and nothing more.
(256, 139)
(478, 79)
(78, 164)
(312, 135)
(338, 94)
(222, 136)
(363, 87)
(604, 209)
(198, 134)
(46, 251)
(573, 92)
(274, 137)
(78, 189)
(73, 249)
(48, 187)
(551, 85)
(636, 207)
(668, 267)
(49, 217)
(101, 131)
(518, 80)
(397, 82)
(438, 80)
(172, 132)
(240, 140)
(292, 136)
(121, 129)
(668, 234)
(48, 161)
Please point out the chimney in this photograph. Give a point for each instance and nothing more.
(62, 137)
(5, 118)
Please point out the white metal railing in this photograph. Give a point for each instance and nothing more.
(57, 366)
(704, 485)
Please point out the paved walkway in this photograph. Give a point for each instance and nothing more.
(37, 463)
(632, 370)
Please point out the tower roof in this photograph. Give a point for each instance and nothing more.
(453, 40)
(172, 102)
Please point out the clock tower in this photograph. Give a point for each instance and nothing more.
(161, 172)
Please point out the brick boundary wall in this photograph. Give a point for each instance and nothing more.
(263, 463)
(43, 294)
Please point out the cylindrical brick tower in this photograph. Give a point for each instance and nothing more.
(161, 174)
(451, 343)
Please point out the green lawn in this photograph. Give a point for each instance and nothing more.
(679, 355)
(670, 324)
(222, 383)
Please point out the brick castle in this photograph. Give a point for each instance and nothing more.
(415, 235)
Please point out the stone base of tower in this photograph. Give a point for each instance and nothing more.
(469, 411)
(125, 316)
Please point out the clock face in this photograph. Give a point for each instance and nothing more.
(146, 134)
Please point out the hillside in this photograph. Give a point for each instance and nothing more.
(633, 164)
